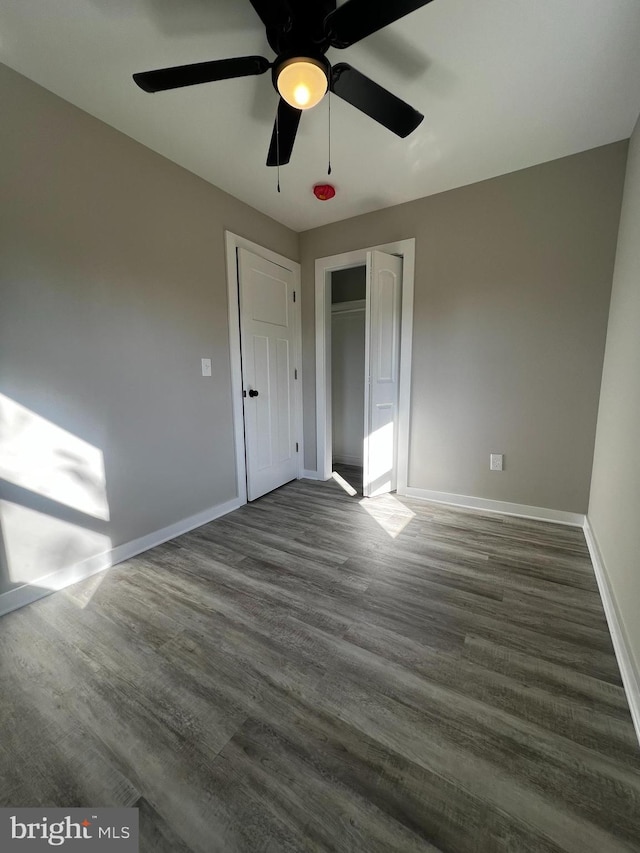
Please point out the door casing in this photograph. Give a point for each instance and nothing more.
(234, 242)
(323, 269)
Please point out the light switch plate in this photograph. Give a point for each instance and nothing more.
(206, 366)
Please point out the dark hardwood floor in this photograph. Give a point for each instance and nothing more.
(351, 474)
(318, 673)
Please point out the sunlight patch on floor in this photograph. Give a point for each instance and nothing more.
(343, 483)
(392, 515)
(81, 593)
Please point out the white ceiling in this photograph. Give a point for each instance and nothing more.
(503, 84)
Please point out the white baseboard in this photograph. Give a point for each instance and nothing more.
(628, 671)
(15, 598)
(536, 513)
(309, 475)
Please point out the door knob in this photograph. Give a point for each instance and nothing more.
(253, 393)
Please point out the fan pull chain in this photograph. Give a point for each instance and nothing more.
(329, 169)
(278, 144)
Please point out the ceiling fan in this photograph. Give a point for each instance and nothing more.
(300, 32)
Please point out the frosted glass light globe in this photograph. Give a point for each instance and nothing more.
(302, 83)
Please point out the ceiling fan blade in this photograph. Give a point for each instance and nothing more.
(201, 72)
(284, 134)
(378, 103)
(272, 13)
(357, 19)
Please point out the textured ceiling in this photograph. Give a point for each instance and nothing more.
(503, 84)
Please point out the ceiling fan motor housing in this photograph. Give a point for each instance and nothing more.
(301, 29)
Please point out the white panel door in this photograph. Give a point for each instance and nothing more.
(382, 373)
(267, 347)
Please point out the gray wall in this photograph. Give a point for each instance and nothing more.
(614, 507)
(513, 279)
(112, 287)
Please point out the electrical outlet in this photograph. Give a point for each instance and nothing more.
(496, 462)
(206, 366)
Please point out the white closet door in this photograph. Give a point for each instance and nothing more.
(382, 373)
(267, 346)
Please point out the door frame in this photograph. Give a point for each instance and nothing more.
(323, 269)
(232, 243)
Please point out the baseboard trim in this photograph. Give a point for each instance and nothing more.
(144, 543)
(628, 671)
(309, 475)
(536, 513)
(27, 594)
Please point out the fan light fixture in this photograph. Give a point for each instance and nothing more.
(302, 82)
(300, 34)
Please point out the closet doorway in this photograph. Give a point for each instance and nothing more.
(348, 324)
(364, 311)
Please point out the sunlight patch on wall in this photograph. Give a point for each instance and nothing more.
(46, 459)
(38, 545)
(392, 515)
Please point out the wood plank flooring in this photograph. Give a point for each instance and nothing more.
(351, 473)
(315, 672)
